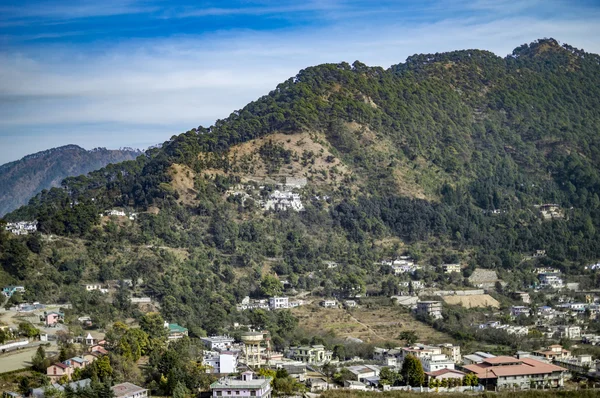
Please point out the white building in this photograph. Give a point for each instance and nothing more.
(430, 308)
(450, 268)
(436, 362)
(217, 342)
(551, 280)
(517, 310)
(329, 303)
(278, 302)
(224, 362)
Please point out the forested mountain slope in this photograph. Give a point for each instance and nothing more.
(22, 179)
(444, 157)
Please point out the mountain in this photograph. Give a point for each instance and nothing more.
(446, 157)
(22, 179)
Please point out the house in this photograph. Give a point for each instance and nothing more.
(539, 253)
(76, 363)
(450, 268)
(91, 356)
(571, 332)
(316, 354)
(329, 303)
(550, 211)
(430, 308)
(477, 358)
(523, 296)
(517, 310)
(8, 291)
(553, 352)
(444, 374)
(436, 362)
(581, 364)
(52, 318)
(276, 303)
(362, 372)
(74, 386)
(452, 351)
(350, 304)
(176, 331)
(90, 287)
(224, 362)
(115, 213)
(217, 342)
(551, 281)
(355, 385)
(419, 351)
(483, 278)
(317, 384)
(56, 371)
(129, 390)
(505, 372)
(94, 338)
(246, 386)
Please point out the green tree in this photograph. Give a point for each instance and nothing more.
(180, 390)
(40, 362)
(412, 371)
(409, 336)
(270, 286)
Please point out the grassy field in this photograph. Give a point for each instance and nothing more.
(372, 325)
(524, 394)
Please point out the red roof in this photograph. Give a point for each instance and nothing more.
(442, 372)
(60, 365)
(527, 366)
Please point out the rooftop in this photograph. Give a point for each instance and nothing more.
(524, 366)
(227, 382)
(126, 389)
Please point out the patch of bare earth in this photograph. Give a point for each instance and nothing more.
(183, 183)
(370, 325)
(475, 301)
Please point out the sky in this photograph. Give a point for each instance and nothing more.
(117, 73)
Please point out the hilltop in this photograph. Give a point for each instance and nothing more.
(443, 157)
(24, 178)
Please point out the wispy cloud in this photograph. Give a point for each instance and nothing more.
(135, 91)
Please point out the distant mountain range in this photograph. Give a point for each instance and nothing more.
(22, 179)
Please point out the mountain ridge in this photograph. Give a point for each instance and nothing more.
(443, 161)
(23, 178)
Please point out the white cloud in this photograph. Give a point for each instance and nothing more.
(180, 82)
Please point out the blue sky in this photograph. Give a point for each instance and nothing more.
(119, 73)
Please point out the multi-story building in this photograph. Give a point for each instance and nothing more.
(508, 373)
(430, 308)
(8, 291)
(217, 342)
(276, 303)
(246, 386)
(436, 362)
(551, 280)
(452, 351)
(316, 354)
(224, 362)
(571, 332)
(553, 352)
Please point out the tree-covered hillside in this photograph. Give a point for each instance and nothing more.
(444, 157)
(22, 179)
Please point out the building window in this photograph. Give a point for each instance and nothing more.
(237, 393)
(253, 393)
(219, 393)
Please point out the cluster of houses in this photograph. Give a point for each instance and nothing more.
(283, 200)
(549, 278)
(550, 211)
(66, 369)
(401, 265)
(118, 213)
(21, 227)
(272, 303)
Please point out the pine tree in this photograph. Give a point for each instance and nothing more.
(412, 371)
